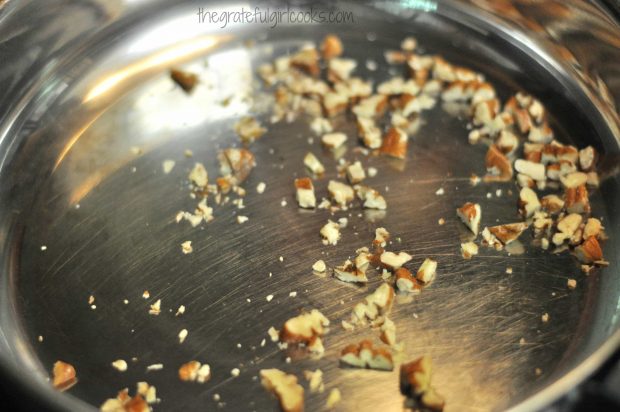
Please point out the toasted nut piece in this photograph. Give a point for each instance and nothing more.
(304, 192)
(371, 106)
(556, 170)
(313, 164)
(470, 214)
(528, 202)
(364, 355)
(378, 303)
(249, 129)
(567, 226)
(468, 250)
(593, 179)
(315, 381)
(573, 180)
(388, 332)
(571, 283)
(306, 328)
(542, 134)
(533, 151)
(341, 193)
(576, 200)
(394, 261)
(330, 233)
(405, 282)
(307, 60)
(369, 132)
(188, 372)
(485, 111)
(331, 46)
(237, 163)
(333, 141)
(409, 44)
(501, 235)
(355, 172)
(186, 80)
(319, 266)
(199, 176)
(498, 166)
(525, 180)
(507, 142)
(415, 382)
(64, 375)
(589, 251)
(348, 272)
(552, 204)
(334, 103)
(587, 157)
(397, 86)
(381, 237)
(394, 143)
(534, 170)
(594, 228)
(321, 125)
(285, 387)
(124, 403)
(427, 271)
(482, 91)
(371, 198)
(340, 69)
(333, 398)
(542, 224)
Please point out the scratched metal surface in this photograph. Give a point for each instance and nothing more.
(106, 217)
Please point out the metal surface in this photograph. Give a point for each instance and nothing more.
(70, 181)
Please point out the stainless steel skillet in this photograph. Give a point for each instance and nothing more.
(84, 82)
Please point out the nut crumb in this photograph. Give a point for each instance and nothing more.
(167, 166)
(155, 367)
(235, 372)
(242, 219)
(64, 375)
(441, 221)
(186, 247)
(440, 191)
(269, 298)
(545, 317)
(180, 310)
(319, 266)
(333, 398)
(155, 308)
(146, 294)
(509, 270)
(289, 393)
(182, 335)
(120, 365)
(260, 188)
(571, 283)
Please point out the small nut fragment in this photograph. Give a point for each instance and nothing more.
(369, 132)
(120, 365)
(534, 170)
(315, 381)
(381, 237)
(340, 69)
(364, 355)
(194, 371)
(571, 283)
(319, 266)
(573, 180)
(348, 272)
(371, 198)
(528, 202)
(249, 129)
(186, 80)
(313, 164)
(498, 166)
(341, 193)
(468, 250)
(331, 46)
(304, 193)
(426, 273)
(307, 60)
(552, 204)
(236, 163)
(394, 143)
(64, 376)
(587, 158)
(199, 176)
(470, 214)
(333, 141)
(333, 398)
(307, 329)
(378, 303)
(405, 282)
(594, 228)
(393, 260)
(415, 383)
(501, 235)
(330, 233)
(289, 393)
(589, 251)
(576, 200)
(355, 172)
